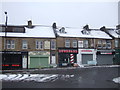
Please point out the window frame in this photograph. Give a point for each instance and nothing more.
(39, 44)
(53, 45)
(85, 43)
(74, 43)
(67, 43)
(108, 43)
(24, 43)
(10, 44)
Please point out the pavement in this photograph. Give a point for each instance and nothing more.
(55, 68)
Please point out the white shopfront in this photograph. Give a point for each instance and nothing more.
(86, 57)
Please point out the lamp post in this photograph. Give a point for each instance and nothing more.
(6, 30)
(6, 25)
(5, 41)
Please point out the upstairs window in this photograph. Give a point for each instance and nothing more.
(108, 44)
(85, 43)
(104, 44)
(10, 44)
(24, 44)
(67, 43)
(53, 45)
(116, 43)
(74, 44)
(99, 44)
(39, 44)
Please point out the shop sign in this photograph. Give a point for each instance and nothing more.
(86, 50)
(105, 53)
(68, 51)
(12, 52)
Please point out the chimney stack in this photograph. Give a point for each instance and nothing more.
(54, 26)
(29, 24)
(103, 28)
(118, 26)
(86, 27)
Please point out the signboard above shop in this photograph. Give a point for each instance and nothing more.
(68, 50)
(105, 52)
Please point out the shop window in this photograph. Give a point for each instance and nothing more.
(24, 44)
(99, 44)
(10, 44)
(85, 43)
(53, 45)
(67, 43)
(74, 44)
(108, 44)
(116, 43)
(39, 44)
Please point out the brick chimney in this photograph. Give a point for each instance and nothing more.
(29, 24)
(86, 27)
(118, 26)
(54, 26)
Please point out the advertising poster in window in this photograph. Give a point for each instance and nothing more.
(47, 45)
(80, 44)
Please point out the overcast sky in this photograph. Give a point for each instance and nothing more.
(68, 14)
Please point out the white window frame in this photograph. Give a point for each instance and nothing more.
(10, 44)
(104, 44)
(99, 44)
(116, 43)
(39, 44)
(24, 44)
(67, 43)
(53, 45)
(108, 44)
(85, 43)
(74, 44)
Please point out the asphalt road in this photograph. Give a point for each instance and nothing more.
(81, 78)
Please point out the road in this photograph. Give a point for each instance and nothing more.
(97, 77)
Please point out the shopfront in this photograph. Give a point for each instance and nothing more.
(67, 56)
(86, 57)
(105, 57)
(39, 59)
(14, 60)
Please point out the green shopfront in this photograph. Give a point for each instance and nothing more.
(39, 59)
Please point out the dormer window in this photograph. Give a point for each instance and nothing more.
(62, 30)
(85, 32)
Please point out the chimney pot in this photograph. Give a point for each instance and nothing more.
(30, 24)
(54, 26)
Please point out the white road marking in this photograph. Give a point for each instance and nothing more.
(117, 80)
(10, 77)
(16, 78)
(32, 77)
(2, 76)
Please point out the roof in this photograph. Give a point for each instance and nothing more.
(114, 33)
(76, 32)
(36, 32)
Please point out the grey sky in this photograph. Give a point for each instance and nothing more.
(71, 14)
